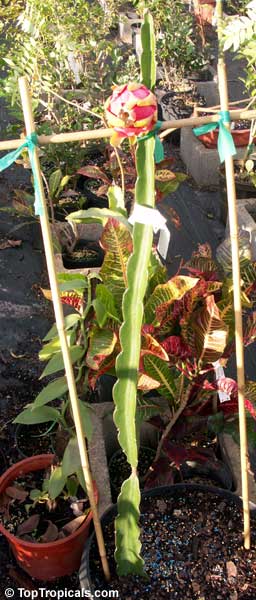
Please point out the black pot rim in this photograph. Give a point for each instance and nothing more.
(110, 513)
(94, 261)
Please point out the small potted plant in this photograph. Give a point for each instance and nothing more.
(45, 517)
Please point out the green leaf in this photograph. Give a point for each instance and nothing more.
(166, 294)
(117, 242)
(70, 321)
(72, 282)
(54, 182)
(42, 414)
(85, 412)
(71, 458)
(63, 182)
(72, 486)
(116, 199)
(97, 215)
(159, 370)
(56, 482)
(55, 389)
(128, 542)
(49, 349)
(56, 362)
(104, 305)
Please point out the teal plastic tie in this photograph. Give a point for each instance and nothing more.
(159, 149)
(30, 142)
(226, 146)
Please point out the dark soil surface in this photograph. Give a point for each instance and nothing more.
(192, 546)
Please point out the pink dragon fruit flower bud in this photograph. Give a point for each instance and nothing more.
(131, 110)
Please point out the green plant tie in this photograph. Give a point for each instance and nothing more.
(159, 149)
(30, 142)
(250, 148)
(226, 146)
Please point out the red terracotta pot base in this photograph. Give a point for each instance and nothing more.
(240, 137)
(44, 561)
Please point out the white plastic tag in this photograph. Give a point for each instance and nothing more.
(219, 372)
(150, 216)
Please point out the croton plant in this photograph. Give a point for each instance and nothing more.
(188, 326)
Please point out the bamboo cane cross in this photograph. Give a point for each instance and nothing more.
(58, 309)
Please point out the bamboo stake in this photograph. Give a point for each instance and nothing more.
(216, 107)
(79, 136)
(231, 194)
(58, 310)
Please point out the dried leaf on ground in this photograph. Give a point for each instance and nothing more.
(10, 244)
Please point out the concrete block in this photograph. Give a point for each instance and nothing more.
(202, 163)
(209, 89)
(231, 456)
(97, 455)
(66, 234)
(245, 209)
(125, 26)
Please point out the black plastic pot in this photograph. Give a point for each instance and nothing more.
(178, 490)
(94, 201)
(118, 466)
(61, 211)
(86, 254)
(174, 106)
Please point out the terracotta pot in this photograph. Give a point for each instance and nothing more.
(240, 137)
(53, 559)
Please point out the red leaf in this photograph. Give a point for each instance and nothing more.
(16, 493)
(161, 474)
(28, 526)
(179, 454)
(72, 299)
(175, 346)
(94, 173)
(51, 533)
(73, 525)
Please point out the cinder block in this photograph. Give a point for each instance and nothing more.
(246, 221)
(65, 233)
(210, 91)
(97, 455)
(202, 163)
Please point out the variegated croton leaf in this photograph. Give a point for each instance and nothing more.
(210, 332)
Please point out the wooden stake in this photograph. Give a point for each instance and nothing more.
(232, 210)
(97, 134)
(58, 310)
